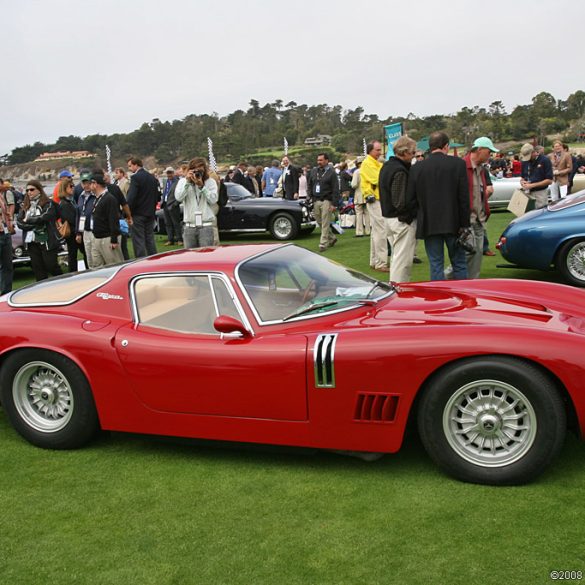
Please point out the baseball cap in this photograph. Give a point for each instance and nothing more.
(98, 178)
(485, 142)
(526, 152)
(169, 170)
(65, 173)
(85, 176)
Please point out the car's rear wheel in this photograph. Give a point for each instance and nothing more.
(571, 262)
(492, 420)
(283, 226)
(48, 399)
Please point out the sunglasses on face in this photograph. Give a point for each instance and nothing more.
(31, 189)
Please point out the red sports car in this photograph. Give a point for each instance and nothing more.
(275, 344)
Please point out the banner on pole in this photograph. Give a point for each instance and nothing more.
(392, 132)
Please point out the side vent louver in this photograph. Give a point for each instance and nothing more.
(375, 407)
(324, 358)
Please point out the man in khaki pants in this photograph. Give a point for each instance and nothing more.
(369, 177)
(362, 216)
(323, 190)
(399, 213)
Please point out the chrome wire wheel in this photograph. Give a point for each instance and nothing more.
(43, 396)
(282, 227)
(489, 423)
(576, 261)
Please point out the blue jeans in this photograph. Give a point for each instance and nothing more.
(434, 246)
(6, 269)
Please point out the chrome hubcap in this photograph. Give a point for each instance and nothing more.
(489, 423)
(282, 227)
(43, 396)
(576, 261)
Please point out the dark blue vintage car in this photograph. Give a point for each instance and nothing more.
(243, 213)
(549, 238)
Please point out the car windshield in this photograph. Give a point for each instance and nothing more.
(237, 192)
(291, 282)
(569, 201)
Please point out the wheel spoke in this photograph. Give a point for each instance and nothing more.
(43, 396)
(489, 423)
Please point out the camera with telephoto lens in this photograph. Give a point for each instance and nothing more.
(466, 241)
(198, 174)
(370, 199)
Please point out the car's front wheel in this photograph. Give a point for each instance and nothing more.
(48, 399)
(492, 420)
(283, 226)
(571, 262)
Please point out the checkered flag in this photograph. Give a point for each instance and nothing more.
(365, 147)
(285, 146)
(212, 161)
(109, 160)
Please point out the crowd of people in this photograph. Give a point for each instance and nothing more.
(432, 196)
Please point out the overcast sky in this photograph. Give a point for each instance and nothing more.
(89, 67)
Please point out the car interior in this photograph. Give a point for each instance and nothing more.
(182, 303)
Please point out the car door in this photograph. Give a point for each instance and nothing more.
(236, 214)
(178, 363)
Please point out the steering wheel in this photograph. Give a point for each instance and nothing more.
(312, 288)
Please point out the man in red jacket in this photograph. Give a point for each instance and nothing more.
(478, 199)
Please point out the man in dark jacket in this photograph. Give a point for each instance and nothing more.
(439, 187)
(400, 214)
(106, 224)
(171, 209)
(323, 190)
(142, 197)
(290, 179)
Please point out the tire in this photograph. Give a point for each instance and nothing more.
(283, 226)
(48, 399)
(492, 420)
(571, 262)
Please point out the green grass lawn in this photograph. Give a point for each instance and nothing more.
(140, 510)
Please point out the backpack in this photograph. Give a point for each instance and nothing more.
(18, 199)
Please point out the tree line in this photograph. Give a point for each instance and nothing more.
(242, 133)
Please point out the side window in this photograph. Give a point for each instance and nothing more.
(177, 303)
(225, 303)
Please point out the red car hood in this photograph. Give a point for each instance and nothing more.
(505, 302)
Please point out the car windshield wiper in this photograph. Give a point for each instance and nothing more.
(323, 304)
(302, 309)
(379, 284)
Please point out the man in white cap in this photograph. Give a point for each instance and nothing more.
(537, 174)
(478, 199)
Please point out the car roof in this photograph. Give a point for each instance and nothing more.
(224, 258)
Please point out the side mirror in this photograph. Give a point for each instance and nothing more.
(227, 324)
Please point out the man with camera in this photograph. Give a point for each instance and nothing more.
(323, 190)
(438, 186)
(198, 191)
